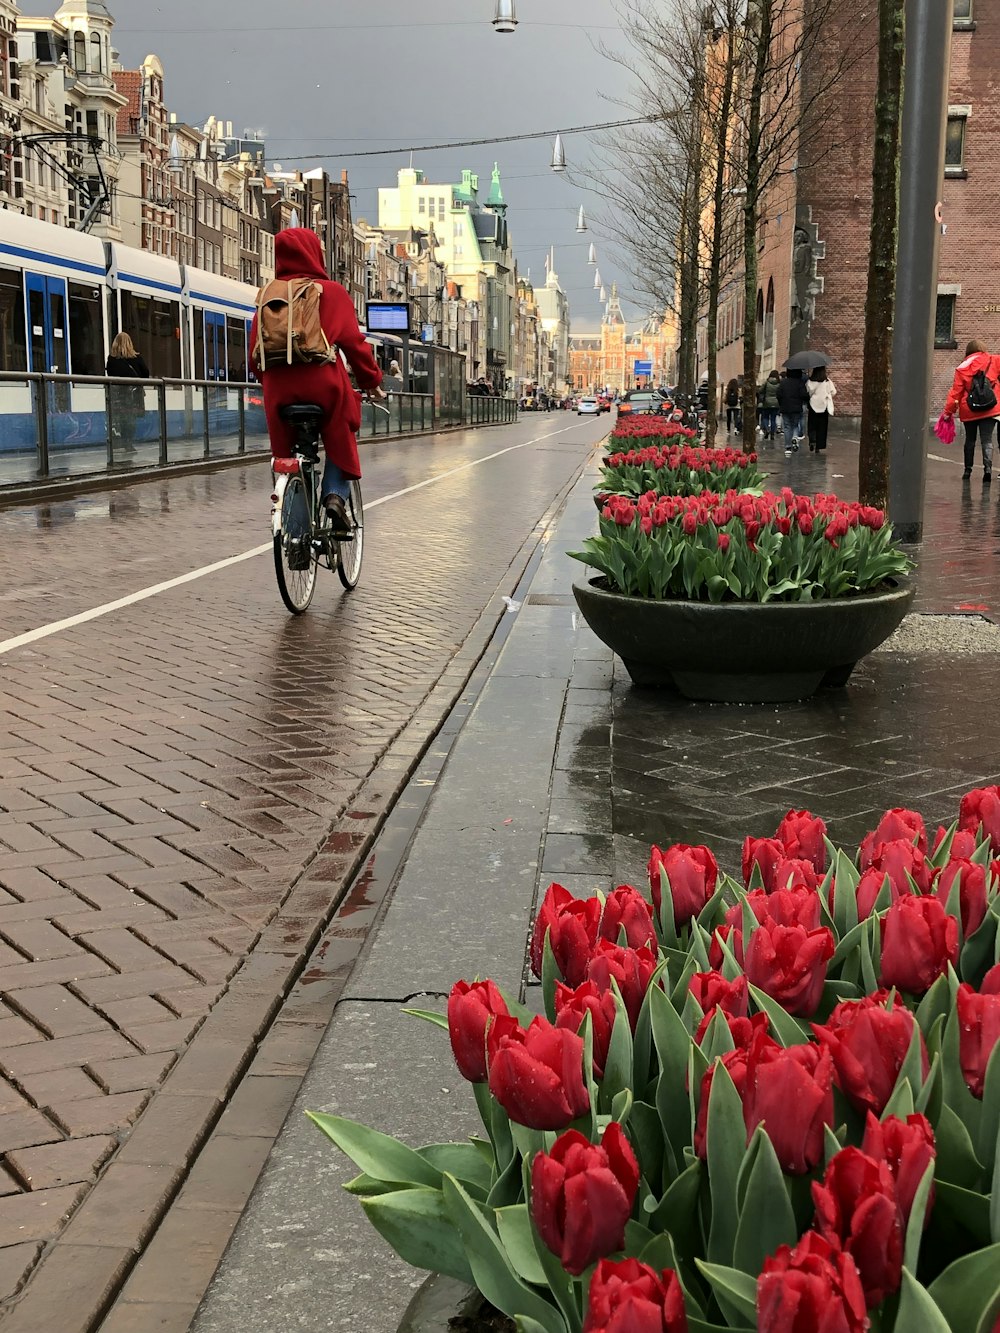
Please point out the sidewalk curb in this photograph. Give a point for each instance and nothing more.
(230, 1090)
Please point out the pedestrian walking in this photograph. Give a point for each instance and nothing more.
(767, 401)
(128, 401)
(822, 391)
(732, 405)
(793, 398)
(974, 395)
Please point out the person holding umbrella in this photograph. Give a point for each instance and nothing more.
(793, 399)
(974, 394)
(822, 391)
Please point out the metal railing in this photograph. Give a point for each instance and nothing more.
(66, 426)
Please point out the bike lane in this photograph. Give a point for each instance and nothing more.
(168, 769)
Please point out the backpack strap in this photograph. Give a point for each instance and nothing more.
(291, 320)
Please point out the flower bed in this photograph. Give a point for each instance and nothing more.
(645, 427)
(719, 547)
(767, 1104)
(678, 470)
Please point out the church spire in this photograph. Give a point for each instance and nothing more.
(495, 202)
(613, 313)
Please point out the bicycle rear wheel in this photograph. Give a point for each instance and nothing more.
(350, 553)
(294, 564)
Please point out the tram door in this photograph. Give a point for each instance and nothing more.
(215, 346)
(48, 341)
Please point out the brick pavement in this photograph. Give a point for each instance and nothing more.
(166, 775)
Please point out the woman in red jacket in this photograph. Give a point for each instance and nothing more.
(298, 254)
(976, 423)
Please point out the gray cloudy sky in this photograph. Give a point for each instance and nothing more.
(352, 76)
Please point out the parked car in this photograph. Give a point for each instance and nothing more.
(641, 400)
(588, 407)
(604, 402)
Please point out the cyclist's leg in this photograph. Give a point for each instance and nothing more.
(334, 480)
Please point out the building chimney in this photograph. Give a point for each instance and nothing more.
(343, 176)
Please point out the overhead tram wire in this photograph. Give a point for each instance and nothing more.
(470, 143)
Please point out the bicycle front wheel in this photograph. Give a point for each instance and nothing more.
(350, 553)
(294, 564)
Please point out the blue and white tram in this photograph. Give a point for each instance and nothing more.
(65, 295)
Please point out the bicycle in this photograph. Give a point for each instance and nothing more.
(302, 528)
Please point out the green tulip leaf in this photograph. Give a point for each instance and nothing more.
(618, 1066)
(989, 1127)
(956, 1092)
(672, 1042)
(699, 1326)
(377, 1154)
(727, 1145)
(918, 1217)
(968, 1291)
(508, 1188)
(869, 960)
(491, 1269)
(646, 1135)
(979, 951)
(526, 1325)
(550, 976)
(736, 1292)
(660, 1253)
(995, 1203)
(462, 1160)
(901, 1102)
(429, 1016)
(514, 1228)
(969, 1208)
(787, 1030)
(416, 1224)
(942, 854)
(917, 1309)
(766, 1216)
(849, 942)
(363, 1185)
(936, 1004)
(677, 1210)
(956, 1158)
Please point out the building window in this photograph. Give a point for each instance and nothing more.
(422, 204)
(80, 53)
(944, 321)
(962, 12)
(954, 145)
(96, 61)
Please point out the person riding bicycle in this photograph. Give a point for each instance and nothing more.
(299, 254)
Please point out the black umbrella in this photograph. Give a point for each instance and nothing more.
(807, 361)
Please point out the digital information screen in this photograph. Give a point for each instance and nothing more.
(388, 316)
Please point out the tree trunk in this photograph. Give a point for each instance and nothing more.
(722, 132)
(880, 305)
(759, 31)
(690, 268)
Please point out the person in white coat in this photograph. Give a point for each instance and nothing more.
(822, 391)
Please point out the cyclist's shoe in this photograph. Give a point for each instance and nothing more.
(339, 524)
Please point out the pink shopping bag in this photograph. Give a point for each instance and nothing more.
(945, 429)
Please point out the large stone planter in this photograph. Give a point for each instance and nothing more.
(742, 652)
(443, 1305)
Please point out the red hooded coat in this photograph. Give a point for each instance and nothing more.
(298, 254)
(958, 398)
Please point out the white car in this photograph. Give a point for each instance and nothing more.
(588, 407)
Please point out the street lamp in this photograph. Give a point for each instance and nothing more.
(558, 163)
(592, 257)
(581, 222)
(505, 19)
(597, 279)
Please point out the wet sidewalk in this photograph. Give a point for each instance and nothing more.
(563, 771)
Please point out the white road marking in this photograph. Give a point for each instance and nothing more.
(95, 612)
(936, 458)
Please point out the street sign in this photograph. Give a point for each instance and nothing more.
(388, 316)
(427, 333)
(644, 367)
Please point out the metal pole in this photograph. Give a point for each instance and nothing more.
(925, 111)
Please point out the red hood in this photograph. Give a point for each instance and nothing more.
(299, 254)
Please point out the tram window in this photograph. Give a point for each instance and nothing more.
(13, 345)
(236, 335)
(86, 333)
(198, 372)
(153, 326)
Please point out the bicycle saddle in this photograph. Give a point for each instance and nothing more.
(302, 412)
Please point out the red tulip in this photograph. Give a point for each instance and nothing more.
(790, 1091)
(856, 1210)
(894, 824)
(978, 1034)
(765, 853)
(789, 964)
(907, 1148)
(740, 1029)
(789, 871)
(919, 940)
(798, 906)
(991, 982)
(626, 909)
(900, 858)
(536, 1073)
(711, 991)
(801, 834)
(869, 1043)
(572, 924)
(971, 892)
(631, 968)
(735, 1063)
(963, 843)
(572, 1006)
(981, 807)
(814, 1288)
(471, 1009)
(629, 1297)
(582, 1196)
(692, 872)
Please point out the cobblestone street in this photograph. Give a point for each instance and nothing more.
(169, 770)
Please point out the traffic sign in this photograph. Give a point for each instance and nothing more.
(644, 367)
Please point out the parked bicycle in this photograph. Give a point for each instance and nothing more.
(303, 535)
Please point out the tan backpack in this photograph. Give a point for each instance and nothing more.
(289, 330)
